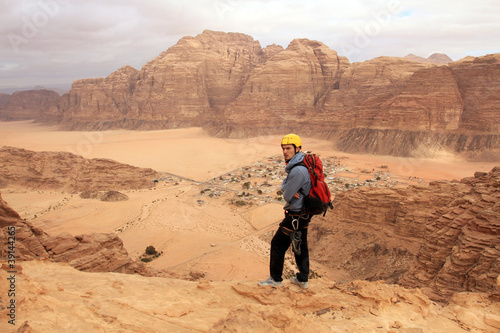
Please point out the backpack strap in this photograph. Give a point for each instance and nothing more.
(302, 163)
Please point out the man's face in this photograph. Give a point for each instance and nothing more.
(288, 151)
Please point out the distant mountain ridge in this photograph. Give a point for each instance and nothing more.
(232, 87)
(60, 89)
(435, 58)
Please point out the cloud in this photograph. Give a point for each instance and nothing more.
(58, 41)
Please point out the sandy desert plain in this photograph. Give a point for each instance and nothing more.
(191, 215)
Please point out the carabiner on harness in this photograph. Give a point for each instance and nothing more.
(296, 237)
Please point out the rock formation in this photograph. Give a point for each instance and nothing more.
(104, 103)
(479, 82)
(451, 231)
(363, 90)
(436, 108)
(92, 253)
(429, 101)
(104, 196)
(231, 86)
(66, 171)
(29, 104)
(280, 93)
(460, 249)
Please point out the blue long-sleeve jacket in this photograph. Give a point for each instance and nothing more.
(297, 181)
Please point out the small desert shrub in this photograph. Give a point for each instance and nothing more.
(150, 250)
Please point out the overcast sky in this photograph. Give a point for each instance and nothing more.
(54, 42)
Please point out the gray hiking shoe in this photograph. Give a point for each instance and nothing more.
(303, 285)
(270, 282)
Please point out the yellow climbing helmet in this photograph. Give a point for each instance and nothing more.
(291, 139)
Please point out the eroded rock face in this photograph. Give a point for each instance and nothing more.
(279, 93)
(66, 171)
(408, 143)
(443, 237)
(92, 253)
(479, 82)
(367, 84)
(27, 242)
(461, 243)
(430, 101)
(375, 234)
(101, 103)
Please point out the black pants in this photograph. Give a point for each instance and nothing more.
(280, 244)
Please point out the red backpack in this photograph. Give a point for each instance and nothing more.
(319, 199)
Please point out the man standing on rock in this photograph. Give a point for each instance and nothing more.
(295, 187)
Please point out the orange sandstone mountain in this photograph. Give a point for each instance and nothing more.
(184, 86)
(231, 86)
(279, 93)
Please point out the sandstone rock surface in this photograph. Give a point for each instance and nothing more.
(363, 89)
(66, 171)
(279, 93)
(460, 249)
(449, 231)
(479, 82)
(130, 302)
